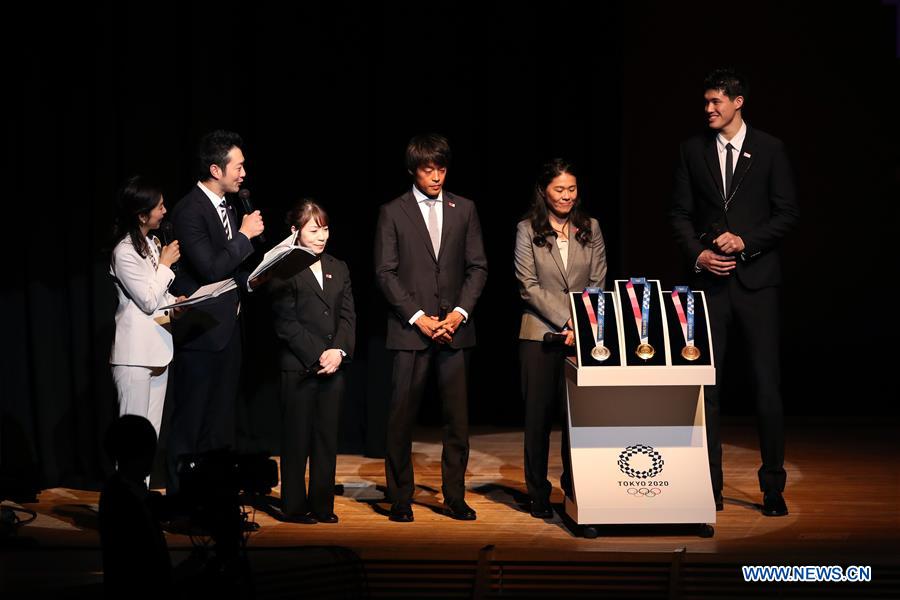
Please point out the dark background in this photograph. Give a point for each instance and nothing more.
(326, 98)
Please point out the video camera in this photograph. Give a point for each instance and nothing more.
(211, 486)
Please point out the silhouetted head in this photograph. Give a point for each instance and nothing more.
(131, 444)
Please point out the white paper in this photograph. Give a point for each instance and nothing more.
(211, 290)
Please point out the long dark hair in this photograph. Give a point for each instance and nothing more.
(539, 214)
(137, 196)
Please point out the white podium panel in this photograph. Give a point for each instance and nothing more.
(637, 430)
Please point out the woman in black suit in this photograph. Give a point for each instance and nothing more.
(559, 249)
(316, 321)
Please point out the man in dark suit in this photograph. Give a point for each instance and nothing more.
(733, 202)
(431, 267)
(208, 337)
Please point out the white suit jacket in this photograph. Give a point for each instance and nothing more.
(142, 288)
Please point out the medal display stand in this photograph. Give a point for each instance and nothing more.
(637, 426)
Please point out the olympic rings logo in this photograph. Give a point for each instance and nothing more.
(645, 492)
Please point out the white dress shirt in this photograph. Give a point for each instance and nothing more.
(421, 199)
(562, 244)
(316, 269)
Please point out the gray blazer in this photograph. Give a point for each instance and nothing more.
(544, 282)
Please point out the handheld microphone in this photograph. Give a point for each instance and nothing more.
(167, 231)
(554, 338)
(244, 195)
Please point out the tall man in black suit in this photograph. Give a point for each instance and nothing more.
(431, 267)
(208, 336)
(733, 203)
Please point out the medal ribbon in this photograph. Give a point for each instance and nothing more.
(687, 322)
(597, 320)
(642, 312)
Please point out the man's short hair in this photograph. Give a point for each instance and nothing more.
(426, 149)
(728, 81)
(213, 148)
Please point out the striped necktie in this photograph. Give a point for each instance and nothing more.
(223, 212)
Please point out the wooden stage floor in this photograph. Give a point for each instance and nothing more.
(843, 493)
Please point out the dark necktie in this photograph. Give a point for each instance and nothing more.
(729, 168)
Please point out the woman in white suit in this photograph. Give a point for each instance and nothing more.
(141, 268)
(559, 249)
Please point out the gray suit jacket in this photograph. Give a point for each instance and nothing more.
(544, 283)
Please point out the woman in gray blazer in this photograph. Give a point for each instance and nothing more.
(558, 248)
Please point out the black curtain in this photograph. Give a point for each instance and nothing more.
(326, 96)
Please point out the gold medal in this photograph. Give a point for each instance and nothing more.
(600, 352)
(690, 353)
(645, 351)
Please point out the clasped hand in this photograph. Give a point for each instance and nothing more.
(330, 361)
(441, 331)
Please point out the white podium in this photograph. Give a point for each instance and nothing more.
(637, 427)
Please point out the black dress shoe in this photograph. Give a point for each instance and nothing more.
(329, 518)
(401, 513)
(307, 519)
(541, 510)
(773, 504)
(459, 510)
(720, 503)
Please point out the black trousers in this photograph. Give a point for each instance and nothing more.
(544, 392)
(754, 313)
(411, 368)
(310, 410)
(205, 394)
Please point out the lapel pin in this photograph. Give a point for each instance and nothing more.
(327, 275)
(747, 154)
(451, 204)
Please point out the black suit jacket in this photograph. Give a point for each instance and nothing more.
(207, 256)
(761, 206)
(412, 278)
(310, 319)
